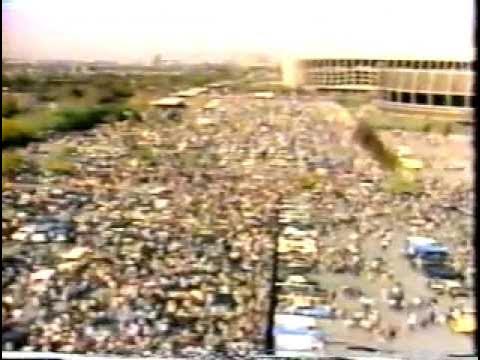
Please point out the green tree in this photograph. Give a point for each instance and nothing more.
(10, 106)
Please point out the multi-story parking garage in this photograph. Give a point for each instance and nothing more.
(415, 84)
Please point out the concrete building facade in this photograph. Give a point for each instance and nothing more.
(443, 85)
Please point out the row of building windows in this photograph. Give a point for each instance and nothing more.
(341, 82)
(343, 77)
(350, 77)
(454, 83)
(431, 65)
(428, 99)
(345, 73)
(434, 83)
(401, 64)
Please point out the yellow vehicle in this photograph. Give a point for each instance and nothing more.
(411, 163)
(465, 322)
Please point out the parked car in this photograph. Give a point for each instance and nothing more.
(429, 257)
(319, 312)
(453, 288)
(441, 271)
(459, 292)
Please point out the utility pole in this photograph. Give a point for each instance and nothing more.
(269, 336)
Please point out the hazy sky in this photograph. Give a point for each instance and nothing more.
(137, 29)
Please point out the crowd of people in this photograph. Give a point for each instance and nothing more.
(162, 241)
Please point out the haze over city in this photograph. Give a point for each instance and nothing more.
(130, 31)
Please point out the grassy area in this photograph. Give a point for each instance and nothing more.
(11, 162)
(58, 163)
(145, 154)
(10, 106)
(19, 132)
(86, 100)
(415, 124)
(426, 123)
(397, 184)
(308, 181)
(84, 118)
(66, 90)
(141, 100)
(352, 101)
(28, 127)
(105, 88)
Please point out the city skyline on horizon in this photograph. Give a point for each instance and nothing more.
(230, 58)
(212, 30)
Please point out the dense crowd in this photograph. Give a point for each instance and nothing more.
(162, 242)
